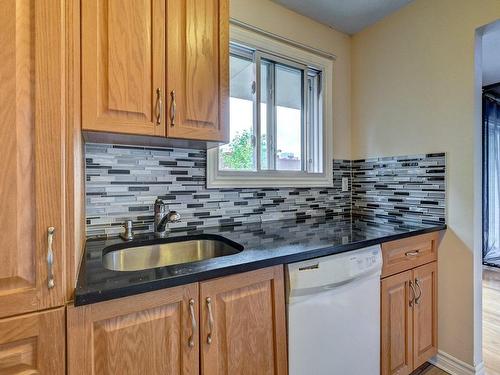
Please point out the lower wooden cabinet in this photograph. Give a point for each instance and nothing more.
(150, 333)
(241, 319)
(425, 314)
(396, 325)
(243, 329)
(33, 344)
(408, 319)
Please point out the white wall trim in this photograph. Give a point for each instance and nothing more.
(454, 366)
(477, 258)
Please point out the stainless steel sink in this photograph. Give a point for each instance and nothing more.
(135, 258)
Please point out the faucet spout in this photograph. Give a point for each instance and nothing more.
(162, 217)
(162, 224)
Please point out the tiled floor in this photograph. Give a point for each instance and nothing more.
(429, 370)
(491, 320)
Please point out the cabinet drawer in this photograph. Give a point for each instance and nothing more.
(408, 253)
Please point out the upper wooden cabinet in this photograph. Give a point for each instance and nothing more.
(33, 344)
(123, 66)
(198, 69)
(32, 165)
(156, 67)
(243, 329)
(152, 333)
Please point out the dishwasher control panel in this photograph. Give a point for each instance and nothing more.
(329, 271)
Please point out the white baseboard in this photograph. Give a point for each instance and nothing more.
(455, 366)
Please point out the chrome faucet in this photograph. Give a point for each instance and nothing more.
(162, 217)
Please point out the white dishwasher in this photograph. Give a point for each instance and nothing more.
(333, 306)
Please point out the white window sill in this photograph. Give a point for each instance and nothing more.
(282, 179)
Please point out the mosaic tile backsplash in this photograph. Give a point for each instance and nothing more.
(122, 182)
(398, 190)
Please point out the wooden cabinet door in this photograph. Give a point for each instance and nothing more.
(396, 325)
(31, 166)
(123, 66)
(247, 335)
(33, 344)
(198, 69)
(425, 313)
(150, 333)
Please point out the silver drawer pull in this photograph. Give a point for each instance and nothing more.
(210, 320)
(414, 253)
(159, 106)
(173, 108)
(419, 297)
(50, 257)
(412, 289)
(193, 323)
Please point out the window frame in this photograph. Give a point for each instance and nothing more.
(271, 113)
(279, 52)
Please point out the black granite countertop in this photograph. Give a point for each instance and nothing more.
(265, 244)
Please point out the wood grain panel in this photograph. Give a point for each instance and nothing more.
(136, 343)
(123, 64)
(396, 325)
(408, 253)
(143, 334)
(32, 110)
(17, 169)
(75, 218)
(129, 53)
(197, 66)
(33, 344)
(249, 334)
(425, 314)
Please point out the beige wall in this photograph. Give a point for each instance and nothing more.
(279, 20)
(413, 92)
(406, 86)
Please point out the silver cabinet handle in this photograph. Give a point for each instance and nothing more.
(414, 253)
(417, 299)
(159, 106)
(173, 108)
(412, 288)
(210, 320)
(50, 257)
(193, 323)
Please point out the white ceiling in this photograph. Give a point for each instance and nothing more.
(491, 57)
(348, 16)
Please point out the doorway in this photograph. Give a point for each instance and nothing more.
(490, 77)
(491, 173)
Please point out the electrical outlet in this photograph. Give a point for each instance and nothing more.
(345, 183)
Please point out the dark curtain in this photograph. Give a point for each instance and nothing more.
(491, 179)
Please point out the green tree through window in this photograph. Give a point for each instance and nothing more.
(239, 155)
